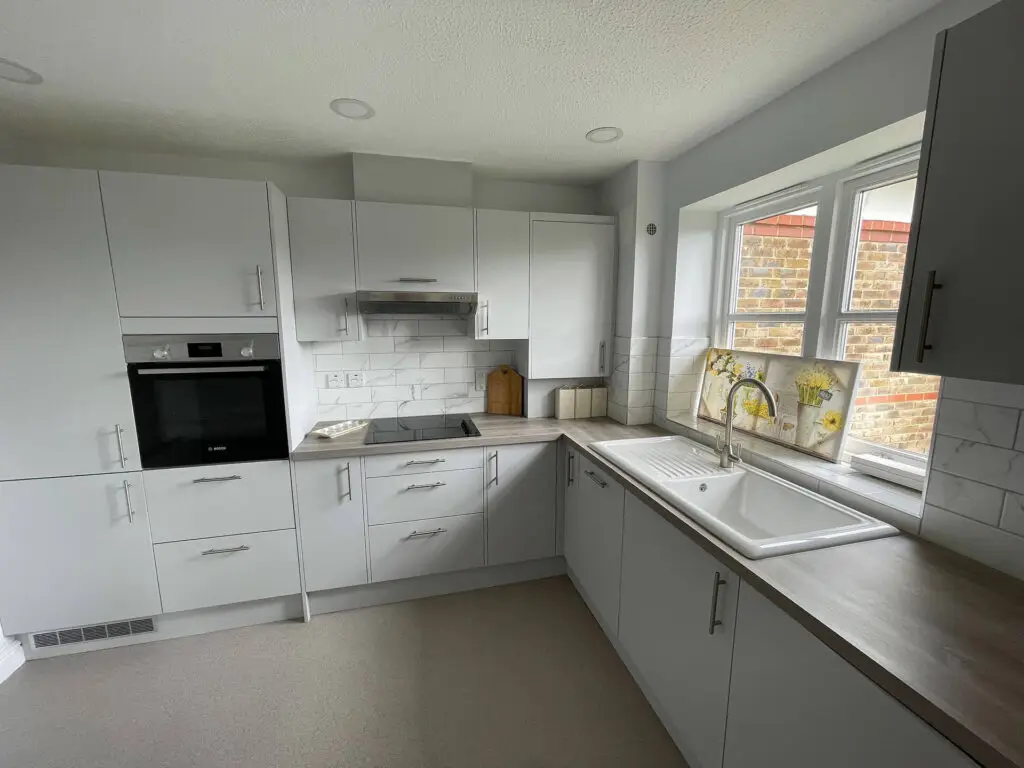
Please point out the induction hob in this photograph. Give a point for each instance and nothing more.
(406, 429)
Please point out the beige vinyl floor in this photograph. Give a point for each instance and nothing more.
(512, 676)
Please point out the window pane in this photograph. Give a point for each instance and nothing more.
(775, 263)
(777, 338)
(894, 409)
(884, 230)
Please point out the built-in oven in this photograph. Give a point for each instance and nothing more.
(207, 399)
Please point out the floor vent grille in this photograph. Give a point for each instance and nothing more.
(93, 632)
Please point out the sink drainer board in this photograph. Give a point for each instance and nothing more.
(754, 512)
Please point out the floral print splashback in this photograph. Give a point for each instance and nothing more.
(813, 398)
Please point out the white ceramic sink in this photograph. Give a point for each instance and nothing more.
(757, 514)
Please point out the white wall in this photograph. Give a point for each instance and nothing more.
(412, 180)
(538, 197)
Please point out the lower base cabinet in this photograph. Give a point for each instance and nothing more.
(75, 551)
(794, 703)
(521, 499)
(673, 596)
(422, 547)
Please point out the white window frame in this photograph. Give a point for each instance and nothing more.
(837, 198)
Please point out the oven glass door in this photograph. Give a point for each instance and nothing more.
(208, 414)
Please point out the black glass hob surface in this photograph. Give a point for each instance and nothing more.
(405, 429)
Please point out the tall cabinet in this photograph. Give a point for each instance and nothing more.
(65, 405)
(961, 287)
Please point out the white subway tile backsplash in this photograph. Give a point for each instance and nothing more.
(682, 345)
(684, 383)
(621, 345)
(1013, 514)
(395, 394)
(505, 345)
(456, 375)
(620, 363)
(989, 424)
(679, 401)
(392, 327)
(381, 379)
(617, 412)
(641, 380)
(332, 412)
(417, 344)
(465, 405)
(342, 362)
(343, 396)
(643, 345)
(442, 328)
(990, 392)
(977, 461)
(420, 376)
(372, 410)
(642, 363)
(489, 359)
(465, 344)
(675, 365)
(395, 361)
(444, 359)
(641, 415)
(421, 408)
(382, 344)
(992, 546)
(965, 497)
(637, 398)
(444, 391)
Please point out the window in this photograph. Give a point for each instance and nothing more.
(818, 271)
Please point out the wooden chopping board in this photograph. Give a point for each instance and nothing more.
(505, 392)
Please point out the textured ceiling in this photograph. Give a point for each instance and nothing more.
(510, 85)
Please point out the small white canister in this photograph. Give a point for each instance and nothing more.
(584, 397)
(565, 403)
(599, 402)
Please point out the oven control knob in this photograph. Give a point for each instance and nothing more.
(246, 352)
(161, 353)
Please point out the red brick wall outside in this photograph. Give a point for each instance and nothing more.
(891, 409)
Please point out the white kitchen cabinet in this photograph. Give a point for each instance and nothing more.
(422, 547)
(503, 274)
(402, 498)
(331, 522)
(189, 247)
(75, 551)
(961, 289)
(572, 301)
(414, 247)
(593, 538)
(672, 592)
(520, 502)
(323, 255)
(65, 404)
(794, 703)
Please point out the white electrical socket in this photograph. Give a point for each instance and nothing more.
(355, 379)
(335, 380)
(481, 381)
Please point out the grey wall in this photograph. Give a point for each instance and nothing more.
(413, 180)
(513, 195)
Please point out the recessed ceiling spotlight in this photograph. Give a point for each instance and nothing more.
(353, 109)
(605, 135)
(15, 73)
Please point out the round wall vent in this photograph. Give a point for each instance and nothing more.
(652, 229)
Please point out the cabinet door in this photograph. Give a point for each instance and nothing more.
(503, 274)
(669, 599)
(593, 540)
(572, 303)
(794, 703)
(64, 387)
(323, 269)
(414, 247)
(520, 502)
(965, 236)
(330, 499)
(75, 551)
(185, 247)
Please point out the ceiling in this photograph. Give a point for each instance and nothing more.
(511, 85)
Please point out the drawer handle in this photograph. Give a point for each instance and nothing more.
(417, 279)
(242, 548)
(715, 621)
(425, 534)
(425, 461)
(425, 487)
(224, 479)
(595, 478)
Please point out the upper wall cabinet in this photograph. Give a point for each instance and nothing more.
(65, 405)
(188, 247)
(503, 274)
(323, 269)
(961, 288)
(572, 301)
(414, 247)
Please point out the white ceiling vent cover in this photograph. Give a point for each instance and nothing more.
(92, 632)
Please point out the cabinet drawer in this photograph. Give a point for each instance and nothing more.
(200, 502)
(424, 461)
(402, 550)
(198, 574)
(431, 494)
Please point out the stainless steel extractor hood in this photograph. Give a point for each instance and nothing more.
(411, 303)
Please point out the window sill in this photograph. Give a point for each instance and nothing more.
(886, 501)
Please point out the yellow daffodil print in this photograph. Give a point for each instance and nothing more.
(832, 421)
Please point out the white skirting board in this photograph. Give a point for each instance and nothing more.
(290, 608)
(12, 656)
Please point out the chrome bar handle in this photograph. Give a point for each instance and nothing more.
(120, 445)
(495, 457)
(347, 469)
(421, 534)
(345, 315)
(715, 621)
(602, 357)
(429, 486)
(224, 479)
(242, 548)
(595, 478)
(570, 475)
(487, 318)
(128, 498)
(929, 290)
(259, 284)
(425, 461)
(417, 279)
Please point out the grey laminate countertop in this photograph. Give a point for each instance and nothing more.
(940, 633)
